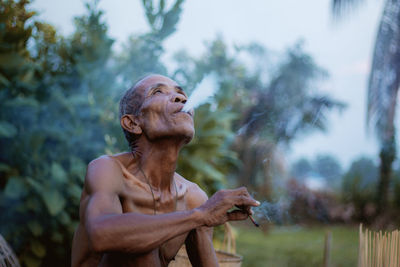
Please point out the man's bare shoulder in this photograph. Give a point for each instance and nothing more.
(103, 173)
(194, 196)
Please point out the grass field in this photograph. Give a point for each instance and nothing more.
(296, 246)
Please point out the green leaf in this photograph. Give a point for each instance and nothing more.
(57, 237)
(58, 173)
(38, 249)
(4, 167)
(204, 167)
(30, 261)
(12, 60)
(36, 140)
(64, 218)
(7, 129)
(4, 81)
(54, 201)
(77, 168)
(34, 205)
(15, 188)
(35, 228)
(75, 191)
(35, 185)
(22, 102)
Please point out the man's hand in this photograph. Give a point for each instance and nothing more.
(215, 210)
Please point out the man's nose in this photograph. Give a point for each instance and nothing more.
(179, 98)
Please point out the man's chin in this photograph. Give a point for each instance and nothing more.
(187, 134)
(189, 138)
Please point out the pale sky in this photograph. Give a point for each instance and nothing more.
(344, 48)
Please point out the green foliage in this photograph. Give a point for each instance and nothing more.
(55, 122)
(328, 167)
(324, 165)
(359, 185)
(301, 169)
(59, 111)
(265, 113)
(16, 67)
(141, 54)
(207, 159)
(162, 22)
(396, 188)
(382, 91)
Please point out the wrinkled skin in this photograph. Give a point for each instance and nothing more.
(120, 222)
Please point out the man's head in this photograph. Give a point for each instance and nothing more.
(152, 108)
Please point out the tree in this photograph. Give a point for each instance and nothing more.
(359, 185)
(17, 69)
(329, 167)
(142, 53)
(301, 169)
(396, 188)
(267, 113)
(383, 87)
(284, 108)
(208, 159)
(53, 104)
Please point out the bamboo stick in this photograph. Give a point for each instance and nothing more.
(373, 251)
(387, 249)
(391, 250)
(369, 249)
(384, 262)
(397, 248)
(396, 242)
(384, 250)
(366, 247)
(394, 248)
(379, 249)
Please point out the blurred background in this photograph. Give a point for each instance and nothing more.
(304, 114)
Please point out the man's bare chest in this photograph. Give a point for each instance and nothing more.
(141, 200)
(139, 197)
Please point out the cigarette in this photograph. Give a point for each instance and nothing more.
(253, 221)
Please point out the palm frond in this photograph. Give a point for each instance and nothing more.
(384, 79)
(341, 7)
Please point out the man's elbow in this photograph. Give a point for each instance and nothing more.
(97, 238)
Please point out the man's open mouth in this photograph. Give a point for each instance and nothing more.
(190, 112)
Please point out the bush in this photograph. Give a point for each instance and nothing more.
(307, 206)
(358, 187)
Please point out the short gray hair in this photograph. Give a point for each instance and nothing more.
(131, 103)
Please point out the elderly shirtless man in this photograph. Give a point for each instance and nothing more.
(135, 210)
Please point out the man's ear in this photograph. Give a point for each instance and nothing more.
(131, 124)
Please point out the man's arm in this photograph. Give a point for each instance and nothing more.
(111, 230)
(199, 244)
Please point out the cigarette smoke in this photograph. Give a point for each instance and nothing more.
(274, 212)
(203, 92)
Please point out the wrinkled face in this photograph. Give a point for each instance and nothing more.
(160, 114)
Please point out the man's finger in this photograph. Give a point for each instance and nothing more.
(245, 201)
(245, 208)
(237, 215)
(240, 191)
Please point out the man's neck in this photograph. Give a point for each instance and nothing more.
(157, 159)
